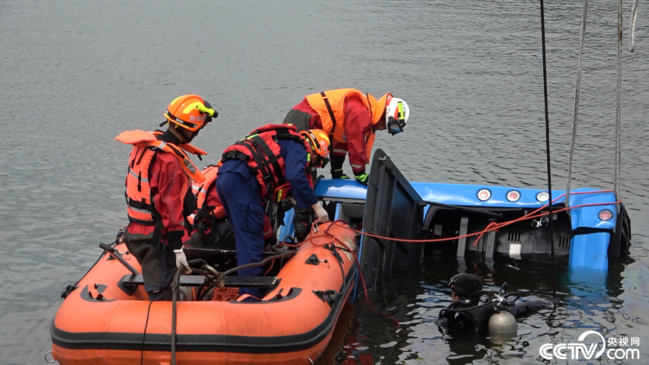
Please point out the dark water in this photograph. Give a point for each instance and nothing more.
(74, 74)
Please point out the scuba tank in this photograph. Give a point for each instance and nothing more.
(502, 322)
(502, 327)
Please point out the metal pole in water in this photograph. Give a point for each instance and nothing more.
(547, 146)
(634, 17)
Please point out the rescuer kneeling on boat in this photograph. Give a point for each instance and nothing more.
(211, 226)
(157, 191)
(259, 170)
(350, 119)
(497, 316)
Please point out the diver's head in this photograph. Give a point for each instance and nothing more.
(465, 285)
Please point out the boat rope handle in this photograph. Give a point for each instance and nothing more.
(54, 360)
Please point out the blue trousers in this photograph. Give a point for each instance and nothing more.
(241, 197)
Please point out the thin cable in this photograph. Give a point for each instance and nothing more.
(547, 146)
(146, 324)
(576, 106)
(634, 17)
(174, 297)
(492, 226)
(618, 111)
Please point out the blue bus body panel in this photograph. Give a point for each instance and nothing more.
(590, 250)
(586, 250)
(589, 216)
(466, 195)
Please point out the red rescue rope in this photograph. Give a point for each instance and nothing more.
(493, 226)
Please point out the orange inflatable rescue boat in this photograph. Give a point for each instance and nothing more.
(106, 317)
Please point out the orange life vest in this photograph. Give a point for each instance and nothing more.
(139, 200)
(330, 106)
(187, 147)
(261, 152)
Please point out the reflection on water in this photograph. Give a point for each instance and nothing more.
(77, 73)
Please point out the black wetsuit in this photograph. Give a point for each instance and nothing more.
(460, 318)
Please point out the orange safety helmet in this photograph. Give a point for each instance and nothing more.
(190, 112)
(319, 141)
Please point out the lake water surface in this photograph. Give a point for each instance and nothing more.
(74, 74)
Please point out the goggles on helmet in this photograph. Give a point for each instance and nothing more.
(205, 111)
(321, 162)
(396, 125)
(319, 153)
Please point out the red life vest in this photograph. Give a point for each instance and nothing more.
(139, 200)
(261, 152)
(201, 191)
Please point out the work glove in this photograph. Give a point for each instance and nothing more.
(271, 240)
(337, 174)
(322, 214)
(362, 178)
(345, 177)
(181, 259)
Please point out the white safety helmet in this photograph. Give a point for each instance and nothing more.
(396, 115)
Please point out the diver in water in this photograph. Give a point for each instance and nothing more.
(498, 314)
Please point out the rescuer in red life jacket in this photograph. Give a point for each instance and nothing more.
(263, 168)
(350, 119)
(157, 187)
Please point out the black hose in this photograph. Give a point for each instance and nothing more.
(547, 148)
(260, 263)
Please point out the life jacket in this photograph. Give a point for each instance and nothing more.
(330, 106)
(139, 199)
(261, 152)
(187, 147)
(200, 192)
